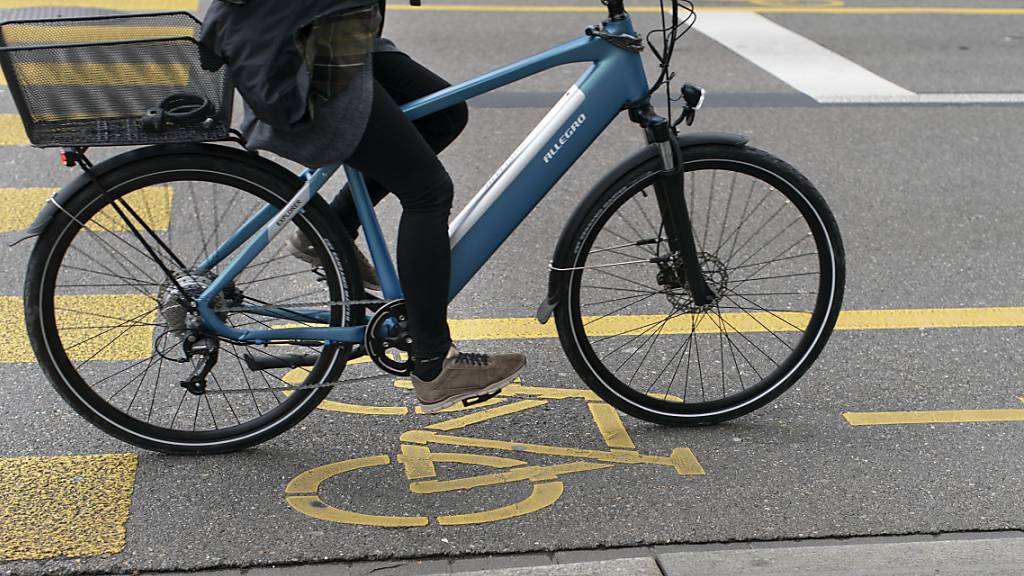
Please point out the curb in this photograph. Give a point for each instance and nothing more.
(952, 554)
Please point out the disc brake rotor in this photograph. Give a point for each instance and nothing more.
(715, 274)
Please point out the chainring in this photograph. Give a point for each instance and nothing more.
(387, 341)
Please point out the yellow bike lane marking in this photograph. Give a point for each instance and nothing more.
(762, 7)
(136, 344)
(418, 460)
(22, 205)
(64, 505)
(935, 416)
(118, 5)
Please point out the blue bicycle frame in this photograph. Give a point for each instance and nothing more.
(615, 81)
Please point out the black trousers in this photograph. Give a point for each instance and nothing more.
(400, 157)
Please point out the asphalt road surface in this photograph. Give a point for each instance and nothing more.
(907, 118)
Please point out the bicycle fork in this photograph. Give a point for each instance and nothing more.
(683, 259)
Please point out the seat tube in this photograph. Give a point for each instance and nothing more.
(374, 236)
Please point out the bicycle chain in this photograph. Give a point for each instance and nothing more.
(301, 387)
(310, 386)
(294, 304)
(307, 386)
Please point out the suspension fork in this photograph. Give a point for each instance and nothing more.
(669, 190)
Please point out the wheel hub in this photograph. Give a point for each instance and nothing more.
(678, 293)
(173, 303)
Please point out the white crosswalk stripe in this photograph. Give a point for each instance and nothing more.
(815, 70)
(797, 61)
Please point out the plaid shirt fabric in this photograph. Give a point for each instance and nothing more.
(336, 47)
(275, 50)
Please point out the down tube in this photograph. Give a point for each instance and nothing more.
(533, 169)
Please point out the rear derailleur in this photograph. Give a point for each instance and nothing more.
(203, 351)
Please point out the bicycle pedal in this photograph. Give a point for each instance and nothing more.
(469, 402)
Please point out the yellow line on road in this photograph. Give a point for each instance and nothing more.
(309, 483)
(682, 459)
(119, 5)
(569, 9)
(934, 417)
(85, 328)
(417, 462)
(42, 34)
(92, 74)
(532, 473)
(901, 319)
(136, 343)
(544, 494)
(67, 506)
(298, 376)
(610, 425)
(464, 458)
(917, 318)
(12, 131)
(485, 415)
(21, 205)
(419, 465)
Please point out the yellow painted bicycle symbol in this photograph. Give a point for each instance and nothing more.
(418, 457)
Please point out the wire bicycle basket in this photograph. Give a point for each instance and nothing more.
(122, 80)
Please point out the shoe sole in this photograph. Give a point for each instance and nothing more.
(497, 386)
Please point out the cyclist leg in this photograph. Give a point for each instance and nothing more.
(442, 376)
(406, 80)
(425, 191)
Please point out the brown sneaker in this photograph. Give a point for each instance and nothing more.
(466, 376)
(303, 249)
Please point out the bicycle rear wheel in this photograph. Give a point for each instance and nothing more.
(771, 252)
(112, 338)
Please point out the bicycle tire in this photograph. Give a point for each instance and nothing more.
(206, 169)
(579, 333)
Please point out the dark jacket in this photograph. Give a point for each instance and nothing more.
(303, 69)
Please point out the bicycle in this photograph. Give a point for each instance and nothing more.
(693, 242)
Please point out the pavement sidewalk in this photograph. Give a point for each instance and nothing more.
(960, 554)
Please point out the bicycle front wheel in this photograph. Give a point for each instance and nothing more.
(109, 328)
(771, 253)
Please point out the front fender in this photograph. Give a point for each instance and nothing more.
(83, 180)
(641, 156)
